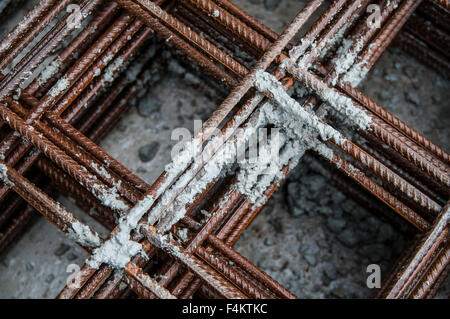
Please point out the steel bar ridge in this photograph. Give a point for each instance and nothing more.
(51, 119)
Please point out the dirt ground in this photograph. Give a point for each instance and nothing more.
(310, 237)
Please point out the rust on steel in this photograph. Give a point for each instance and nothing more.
(50, 125)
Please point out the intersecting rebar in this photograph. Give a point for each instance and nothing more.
(52, 118)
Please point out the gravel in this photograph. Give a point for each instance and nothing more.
(148, 152)
(271, 4)
(336, 224)
(310, 210)
(149, 105)
(49, 278)
(61, 250)
(72, 256)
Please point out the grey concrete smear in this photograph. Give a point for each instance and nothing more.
(15, 11)
(414, 93)
(311, 237)
(318, 242)
(179, 109)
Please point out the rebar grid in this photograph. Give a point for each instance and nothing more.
(50, 125)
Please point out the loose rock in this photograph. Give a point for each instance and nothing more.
(348, 238)
(61, 250)
(49, 278)
(72, 256)
(271, 4)
(336, 224)
(412, 97)
(148, 152)
(149, 105)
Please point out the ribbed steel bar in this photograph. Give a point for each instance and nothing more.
(291, 32)
(181, 44)
(416, 48)
(435, 13)
(316, 29)
(165, 278)
(387, 35)
(383, 195)
(397, 123)
(341, 24)
(235, 25)
(71, 76)
(193, 264)
(436, 269)
(247, 266)
(355, 192)
(223, 268)
(248, 81)
(86, 160)
(54, 212)
(219, 278)
(367, 160)
(437, 234)
(438, 283)
(402, 173)
(198, 239)
(98, 152)
(79, 44)
(101, 83)
(69, 187)
(248, 19)
(9, 206)
(399, 264)
(360, 37)
(233, 228)
(15, 226)
(18, 70)
(206, 230)
(429, 33)
(45, 47)
(62, 159)
(246, 286)
(364, 35)
(34, 102)
(94, 135)
(379, 128)
(15, 40)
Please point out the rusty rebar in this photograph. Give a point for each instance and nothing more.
(206, 263)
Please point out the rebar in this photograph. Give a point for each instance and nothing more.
(53, 122)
